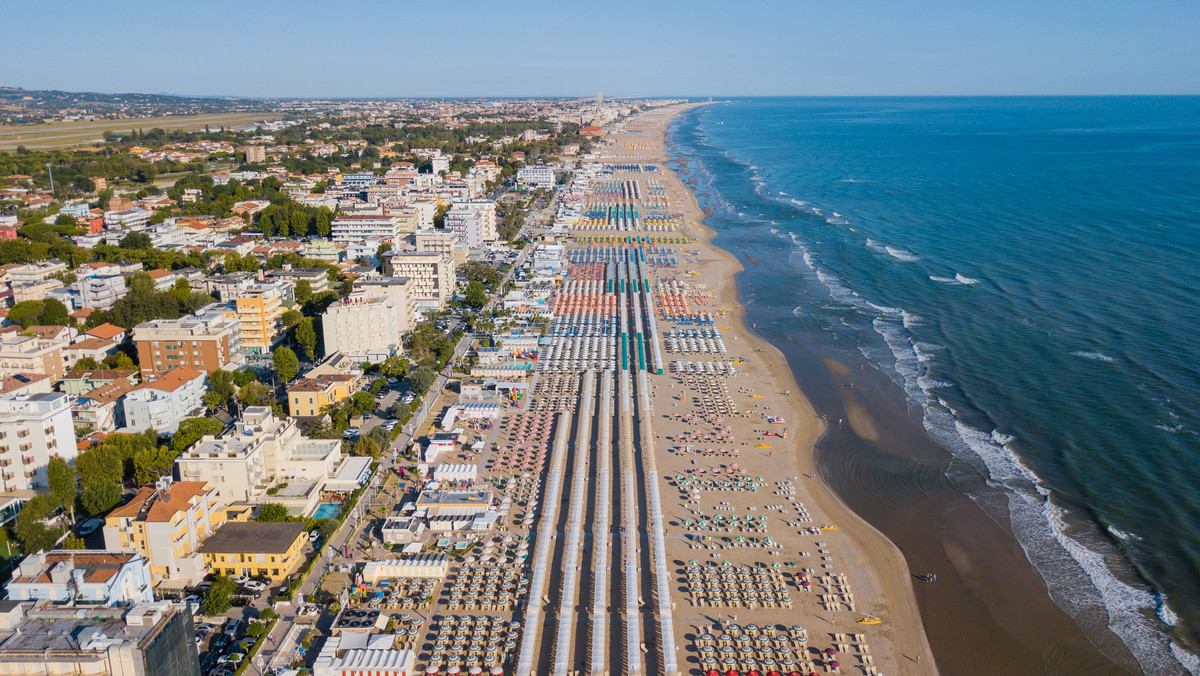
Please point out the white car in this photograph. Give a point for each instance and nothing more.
(255, 586)
(350, 433)
(390, 425)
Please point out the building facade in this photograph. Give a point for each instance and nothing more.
(358, 227)
(364, 328)
(33, 427)
(205, 341)
(162, 403)
(166, 524)
(308, 397)
(270, 550)
(431, 275)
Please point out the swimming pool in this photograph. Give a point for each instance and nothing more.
(327, 510)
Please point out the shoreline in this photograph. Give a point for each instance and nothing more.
(990, 602)
(879, 566)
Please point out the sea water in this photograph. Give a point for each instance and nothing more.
(1027, 270)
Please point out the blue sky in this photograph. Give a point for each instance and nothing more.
(698, 48)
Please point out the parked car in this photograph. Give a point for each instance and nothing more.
(255, 586)
(240, 579)
(350, 433)
(88, 527)
(390, 425)
(314, 535)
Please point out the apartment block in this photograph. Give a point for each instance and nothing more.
(356, 227)
(33, 354)
(473, 222)
(366, 329)
(431, 275)
(166, 524)
(33, 427)
(162, 402)
(205, 341)
(96, 577)
(258, 311)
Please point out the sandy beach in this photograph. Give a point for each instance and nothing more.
(875, 572)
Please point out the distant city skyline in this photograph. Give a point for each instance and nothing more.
(485, 49)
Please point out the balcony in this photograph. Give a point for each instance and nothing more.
(8, 476)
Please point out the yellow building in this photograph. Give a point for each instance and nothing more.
(309, 396)
(270, 550)
(259, 312)
(167, 523)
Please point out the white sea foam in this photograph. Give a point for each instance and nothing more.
(817, 211)
(783, 193)
(901, 254)
(1093, 356)
(837, 215)
(944, 280)
(963, 279)
(1122, 535)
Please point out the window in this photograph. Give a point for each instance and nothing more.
(275, 572)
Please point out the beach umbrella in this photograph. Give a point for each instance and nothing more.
(830, 652)
(834, 664)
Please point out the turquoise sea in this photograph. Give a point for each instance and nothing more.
(1027, 272)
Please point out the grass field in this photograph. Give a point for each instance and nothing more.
(66, 134)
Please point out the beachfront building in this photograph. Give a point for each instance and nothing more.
(473, 223)
(33, 427)
(431, 276)
(353, 228)
(365, 328)
(93, 577)
(205, 341)
(162, 402)
(165, 524)
(263, 453)
(308, 397)
(270, 550)
(150, 638)
(352, 654)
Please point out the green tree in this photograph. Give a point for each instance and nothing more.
(54, 313)
(394, 367)
(63, 483)
(136, 240)
(120, 361)
(291, 318)
(191, 430)
(421, 379)
(475, 295)
(73, 542)
(325, 527)
(219, 597)
(26, 313)
(220, 389)
(66, 220)
(366, 446)
(100, 497)
(255, 393)
(151, 463)
(31, 529)
(304, 292)
(272, 512)
(99, 465)
(287, 366)
(306, 336)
